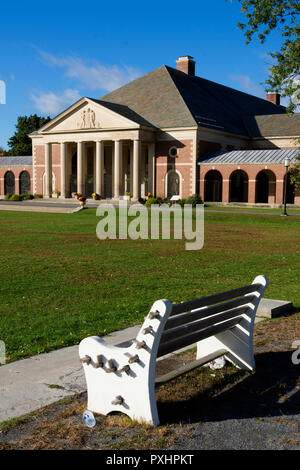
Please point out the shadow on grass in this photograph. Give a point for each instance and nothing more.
(273, 390)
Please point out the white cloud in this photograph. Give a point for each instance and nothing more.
(92, 74)
(247, 85)
(51, 103)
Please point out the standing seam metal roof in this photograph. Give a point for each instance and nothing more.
(250, 156)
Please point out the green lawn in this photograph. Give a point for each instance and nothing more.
(59, 283)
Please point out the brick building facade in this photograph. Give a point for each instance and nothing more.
(168, 132)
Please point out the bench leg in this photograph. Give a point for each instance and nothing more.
(238, 344)
(129, 389)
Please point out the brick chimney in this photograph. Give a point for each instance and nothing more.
(186, 64)
(273, 97)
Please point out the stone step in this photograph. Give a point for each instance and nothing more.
(271, 308)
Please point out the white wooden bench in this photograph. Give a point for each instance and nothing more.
(122, 378)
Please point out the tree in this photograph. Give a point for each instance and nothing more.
(3, 152)
(294, 172)
(264, 16)
(20, 143)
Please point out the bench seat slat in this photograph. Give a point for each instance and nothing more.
(192, 338)
(213, 299)
(162, 379)
(193, 327)
(184, 318)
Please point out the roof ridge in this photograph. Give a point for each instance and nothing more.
(228, 87)
(178, 92)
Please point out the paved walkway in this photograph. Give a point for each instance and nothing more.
(67, 206)
(30, 384)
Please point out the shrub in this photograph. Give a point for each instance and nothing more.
(38, 196)
(181, 202)
(8, 196)
(194, 199)
(150, 201)
(26, 197)
(166, 200)
(15, 197)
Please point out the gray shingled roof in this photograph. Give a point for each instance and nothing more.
(273, 125)
(124, 111)
(155, 97)
(13, 161)
(168, 97)
(250, 156)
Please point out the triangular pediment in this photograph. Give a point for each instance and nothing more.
(86, 115)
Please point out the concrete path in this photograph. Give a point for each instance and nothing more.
(67, 206)
(30, 384)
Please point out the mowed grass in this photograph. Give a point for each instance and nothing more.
(60, 283)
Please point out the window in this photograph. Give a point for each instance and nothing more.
(173, 151)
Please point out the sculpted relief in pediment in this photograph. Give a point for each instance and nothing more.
(87, 119)
(90, 117)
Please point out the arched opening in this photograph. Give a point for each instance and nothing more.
(9, 183)
(73, 183)
(239, 186)
(24, 182)
(173, 188)
(213, 186)
(265, 187)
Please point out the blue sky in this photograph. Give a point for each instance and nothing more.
(52, 53)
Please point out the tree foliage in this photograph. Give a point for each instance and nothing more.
(20, 143)
(264, 16)
(294, 172)
(3, 152)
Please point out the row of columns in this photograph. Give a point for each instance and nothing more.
(99, 168)
(275, 191)
(276, 188)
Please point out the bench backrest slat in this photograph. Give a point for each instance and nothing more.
(213, 299)
(192, 338)
(195, 326)
(184, 318)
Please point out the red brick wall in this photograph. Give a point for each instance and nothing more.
(183, 163)
(16, 170)
(39, 161)
(252, 171)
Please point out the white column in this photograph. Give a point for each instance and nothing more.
(131, 170)
(48, 170)
(117, 166)
(100, 168)
(63, 147)
(80, 173)
(151, 168)
(136, 168)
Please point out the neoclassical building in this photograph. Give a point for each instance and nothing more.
(167, 132)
